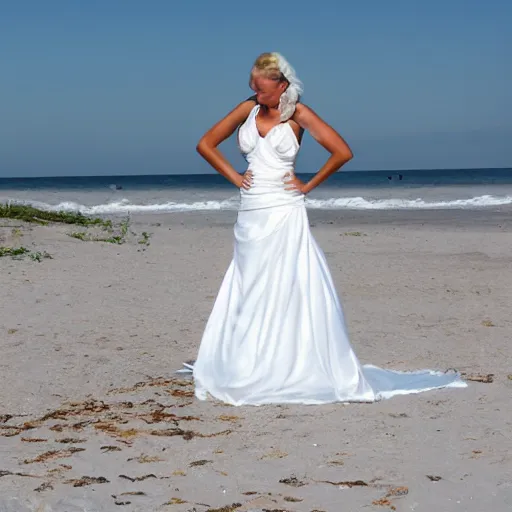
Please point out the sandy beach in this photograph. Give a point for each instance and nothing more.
(93, 417)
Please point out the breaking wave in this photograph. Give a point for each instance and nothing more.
(124, 206)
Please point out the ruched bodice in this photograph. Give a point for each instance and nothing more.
(269, 159)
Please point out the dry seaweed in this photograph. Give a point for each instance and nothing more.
(109, 448)
(114, 430)
(82, 424)
(348, 483)
(393, 492)
(200, 463)
(44, 487)
(153, 382)
(175, 501)
(10, 473)
(293, 481)
(54, 454)
(138, 478)
(75, 409)
(87, 480)
(434, 478)
(274, 454)
(63, 467)
(180, 393)
(232, 419)
(186, 434)
(160, 416)
(144, 459)
(226, 508)
(10, 431)
(397, 491)
(477, 377)
(94, 415)
(184, 404)
(384, 502)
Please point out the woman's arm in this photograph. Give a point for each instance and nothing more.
(207, 146)
(328, 138)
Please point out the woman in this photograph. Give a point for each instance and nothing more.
(277, 333)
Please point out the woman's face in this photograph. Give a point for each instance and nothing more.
(268, 91)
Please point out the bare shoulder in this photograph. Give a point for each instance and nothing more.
(228, 124)
(302, 108)
(322, 132)
(304, 115)
(245, 107)
(240, 112)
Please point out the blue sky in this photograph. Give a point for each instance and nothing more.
(128, 87)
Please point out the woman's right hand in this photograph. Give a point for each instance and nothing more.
(246, 180)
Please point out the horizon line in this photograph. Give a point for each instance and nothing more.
(213, 173)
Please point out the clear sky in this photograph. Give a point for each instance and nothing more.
(128, 87)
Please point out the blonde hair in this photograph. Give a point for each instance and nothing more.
(267, 65)
(274, 66)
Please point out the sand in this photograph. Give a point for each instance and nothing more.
(90, 340)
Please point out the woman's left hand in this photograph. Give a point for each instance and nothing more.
(293, 183)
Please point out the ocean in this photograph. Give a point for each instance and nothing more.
(345, 190)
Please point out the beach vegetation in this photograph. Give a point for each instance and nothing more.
(13, 251)
(108, 232)
(39, 256)
(31, 214)
(125, 224)
(87, 237)
(117, 237)
(20, 252)
(79, 235)
(145, 238)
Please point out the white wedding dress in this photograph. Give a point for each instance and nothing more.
(277, 333)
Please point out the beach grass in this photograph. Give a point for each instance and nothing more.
(145, 238)
(90, 229)
(13, 251)
(118, 236)
(28, 213)
(20, 252)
